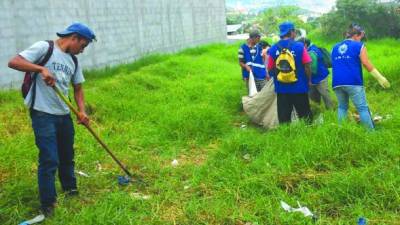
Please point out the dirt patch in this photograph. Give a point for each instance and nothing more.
(15, 122)
(291, 181)
(3, 176)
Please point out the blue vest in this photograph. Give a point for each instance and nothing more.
(257, 64)
(322, 71)
(301, 85)
(346, 63)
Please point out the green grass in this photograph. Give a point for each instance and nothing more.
(187, 106)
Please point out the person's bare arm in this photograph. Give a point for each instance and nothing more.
(245, 66)
(21, 64)
(372, 70)
(80, 102)
(365, 61)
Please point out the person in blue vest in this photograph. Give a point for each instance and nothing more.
(347, 76)
(251, 59)
(319, 77)
(293, 94)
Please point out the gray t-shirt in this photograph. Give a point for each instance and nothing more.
(62, 67)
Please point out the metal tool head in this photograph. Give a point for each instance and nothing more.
(124, 180)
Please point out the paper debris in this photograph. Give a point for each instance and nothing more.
(246, 157)
(174, 163)
(82, 174)
(137, 195)
(302, 209)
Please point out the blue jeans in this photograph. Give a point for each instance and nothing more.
(357, 96)
(54, 136)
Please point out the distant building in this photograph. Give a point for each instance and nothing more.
(234, 29)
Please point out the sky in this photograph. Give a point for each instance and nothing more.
(320, 6)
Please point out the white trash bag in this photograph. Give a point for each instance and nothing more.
(252, 85)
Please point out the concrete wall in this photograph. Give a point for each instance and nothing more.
(126, 29)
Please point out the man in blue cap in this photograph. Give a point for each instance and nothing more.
(290, 65)
(48, 64)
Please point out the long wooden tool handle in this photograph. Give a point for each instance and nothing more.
(71, 107)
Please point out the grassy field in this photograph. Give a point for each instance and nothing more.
(187, 107)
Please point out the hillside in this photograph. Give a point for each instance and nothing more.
(187, 107)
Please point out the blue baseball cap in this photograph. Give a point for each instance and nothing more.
(78, 28)
(285, 28)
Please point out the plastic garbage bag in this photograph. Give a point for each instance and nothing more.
(37, 219)
(302, 209)
(252, 85)
(262, 108)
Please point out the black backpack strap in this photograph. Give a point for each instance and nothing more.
(75, 62)
(41, 63)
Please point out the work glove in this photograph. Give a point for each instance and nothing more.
(380, 78)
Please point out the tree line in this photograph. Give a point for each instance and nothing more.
(379, 19)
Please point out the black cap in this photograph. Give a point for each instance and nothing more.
(254, 34)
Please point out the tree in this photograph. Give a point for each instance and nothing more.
(270, 19)
(378, 19)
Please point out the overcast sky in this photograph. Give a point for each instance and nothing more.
(321, 6)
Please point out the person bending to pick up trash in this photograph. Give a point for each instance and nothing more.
(48, 64)
(347, 76)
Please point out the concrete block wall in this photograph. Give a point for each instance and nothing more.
(126, 29)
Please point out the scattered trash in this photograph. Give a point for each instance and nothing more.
(356, 117)
(362, 221)
(377, 118)
(37, 219)
(320, 119)
(186, 187)
(246, 157)
(302, 209)
(82, 174)
(123, 180)
(137, 195)
(250, 223)
(99, 167)
(174, 163)
(243, 126)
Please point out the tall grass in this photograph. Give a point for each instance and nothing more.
(186, 106)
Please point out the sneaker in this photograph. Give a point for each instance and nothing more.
(71, 193)
(47, 211)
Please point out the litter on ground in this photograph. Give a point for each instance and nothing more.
(174, 163)
(362, 221)
(247, 157)
(302, 209)
(82, 174)
(37, 219)
(137, 195)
